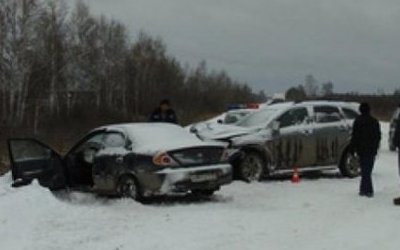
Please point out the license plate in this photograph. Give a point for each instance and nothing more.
(203, 177)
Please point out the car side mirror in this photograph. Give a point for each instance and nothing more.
(128, 145)
(220, 121)
(308, 120)
(193, 129)
(275, 126)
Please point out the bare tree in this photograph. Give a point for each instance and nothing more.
(18, 51)
(74, 67)
(296, 93)
(311, 86)
(327, 88)
(52, 29)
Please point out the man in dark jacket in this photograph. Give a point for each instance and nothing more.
(396, 141)
(397, 137)
(365, 141)
(164, 113)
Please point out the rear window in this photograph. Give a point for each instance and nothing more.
(114, 140)
(326, 114)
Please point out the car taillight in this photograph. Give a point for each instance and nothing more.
(164, 160)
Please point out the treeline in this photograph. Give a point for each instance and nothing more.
(383, 105)
(69, 67)
(311, 88)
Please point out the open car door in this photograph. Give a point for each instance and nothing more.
(31, 159)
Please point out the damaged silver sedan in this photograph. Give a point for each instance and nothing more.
(130, 160)
(308, 136)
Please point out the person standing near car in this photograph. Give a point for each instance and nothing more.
(164, 113)
(396, 139)
(365, 141)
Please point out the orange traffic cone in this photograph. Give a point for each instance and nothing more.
(295, 177)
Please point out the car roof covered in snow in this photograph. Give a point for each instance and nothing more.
(152, 138)
(327, 102)
(285, 105)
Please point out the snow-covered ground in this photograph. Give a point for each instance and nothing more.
(321, 213)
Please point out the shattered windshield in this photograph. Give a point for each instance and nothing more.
(259, 118)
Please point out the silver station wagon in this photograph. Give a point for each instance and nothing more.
(309, 136)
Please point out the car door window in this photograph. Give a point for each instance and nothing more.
(31, 159)
(24, 150)
(293, 117)
(349, 113)
(96, 139)
(327, 114)
(114, 140)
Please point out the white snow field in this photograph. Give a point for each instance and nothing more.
(318, 213)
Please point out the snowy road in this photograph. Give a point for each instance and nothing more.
(321, 213)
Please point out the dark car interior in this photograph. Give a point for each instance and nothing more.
(80, 161)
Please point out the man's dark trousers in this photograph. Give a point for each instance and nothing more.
(367, 165)
(399, 160)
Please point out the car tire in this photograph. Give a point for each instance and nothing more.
(251, 167)
(206, 193)
(128, 188)
(349, 165)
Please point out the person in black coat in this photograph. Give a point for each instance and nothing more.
(164, 113)
(365, 141)
(397, 137)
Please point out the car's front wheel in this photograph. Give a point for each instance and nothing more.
(129, 188)
(251, 168)
(349, 165)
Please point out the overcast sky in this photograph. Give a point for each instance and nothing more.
(273, 44)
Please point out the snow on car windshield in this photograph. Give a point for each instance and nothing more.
(261, 117)
(233, 117)
(151, 138)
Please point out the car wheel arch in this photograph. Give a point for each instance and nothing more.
(127, 175)
(342, 164)
(343, 150)
(263, 153)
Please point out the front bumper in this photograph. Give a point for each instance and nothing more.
(182, 180)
